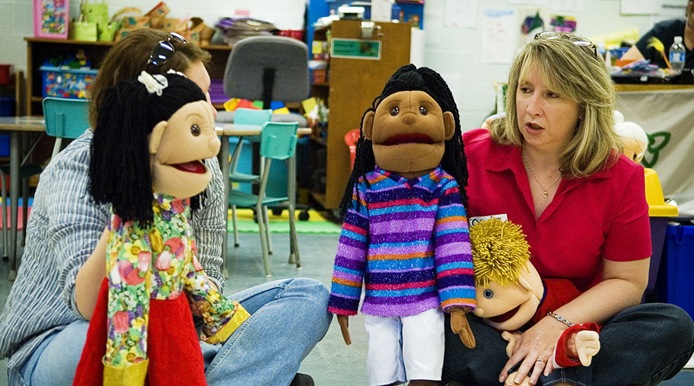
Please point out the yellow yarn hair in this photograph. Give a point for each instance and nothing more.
(499, 251)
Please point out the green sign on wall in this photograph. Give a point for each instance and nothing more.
(355, 49)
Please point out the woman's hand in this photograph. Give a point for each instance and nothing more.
(89, 278)
(533, 352)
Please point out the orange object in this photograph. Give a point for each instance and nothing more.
(351, 139)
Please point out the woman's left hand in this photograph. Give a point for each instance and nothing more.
(533, 353)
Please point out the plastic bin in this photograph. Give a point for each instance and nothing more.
(677, 286)
(7, 105)
(659, 213)
(66, 83)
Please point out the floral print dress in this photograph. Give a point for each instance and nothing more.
(142, 331)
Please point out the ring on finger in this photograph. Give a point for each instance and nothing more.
(540, 360)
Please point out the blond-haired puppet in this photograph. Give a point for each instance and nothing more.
(511, 294)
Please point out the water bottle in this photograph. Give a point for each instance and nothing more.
(677, 53)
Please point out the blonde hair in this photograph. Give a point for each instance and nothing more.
(575, 73)
(499, 251)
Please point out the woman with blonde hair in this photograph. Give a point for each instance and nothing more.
(553, 165)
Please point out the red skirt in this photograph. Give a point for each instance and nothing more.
(173, 348)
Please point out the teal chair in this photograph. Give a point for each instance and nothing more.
(244, 117)
(277, 143)
(65, 118)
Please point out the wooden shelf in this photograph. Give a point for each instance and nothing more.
(39, 50)
(353, 84)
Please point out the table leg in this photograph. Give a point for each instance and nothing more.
(224, 164)
(14, 194)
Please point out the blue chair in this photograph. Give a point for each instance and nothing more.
(277, 142)
(65, 118)
(244, 117)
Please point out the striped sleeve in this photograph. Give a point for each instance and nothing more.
(350, 259)
(454, 269)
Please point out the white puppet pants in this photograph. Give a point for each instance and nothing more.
(405, 348)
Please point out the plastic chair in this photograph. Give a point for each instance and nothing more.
(65, 118)
(267, 68)
(25, 172)
(251, 117)
(351, 139)
(277, 142)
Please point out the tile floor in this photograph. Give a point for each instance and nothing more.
(331, 363)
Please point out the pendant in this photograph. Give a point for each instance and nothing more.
(545, 194)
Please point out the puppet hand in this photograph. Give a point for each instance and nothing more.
(460, 326)
(587, 346)
(512, 338)
(343, 320)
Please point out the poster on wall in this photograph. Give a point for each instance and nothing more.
(51, 18)
(500, 34)
(639, 7)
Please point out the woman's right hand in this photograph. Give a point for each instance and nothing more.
(89, 278)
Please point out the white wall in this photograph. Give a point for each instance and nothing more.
(453, 52)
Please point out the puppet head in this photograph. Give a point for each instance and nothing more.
(153, 135)
(509, 288)
(633, 136)
(411, 128)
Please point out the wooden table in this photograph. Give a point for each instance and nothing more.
(226, 130)
(16, 126)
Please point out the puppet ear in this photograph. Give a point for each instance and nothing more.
(368, 124)
(530, 279)
(155, 137)
(449, 124)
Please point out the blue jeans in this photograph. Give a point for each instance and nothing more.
(642, 345)
(288, 318)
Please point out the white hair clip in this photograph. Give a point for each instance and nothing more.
(172, 71)
(154, 83)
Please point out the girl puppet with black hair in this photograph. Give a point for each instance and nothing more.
(405, 234)
(146, 161)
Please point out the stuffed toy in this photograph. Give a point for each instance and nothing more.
(404, 235)
(633, 137)
(147, 156)
(511, 295)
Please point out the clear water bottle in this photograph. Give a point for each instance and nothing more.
(677, 54)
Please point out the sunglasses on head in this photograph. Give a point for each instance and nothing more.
(579, 41)
(165, 49)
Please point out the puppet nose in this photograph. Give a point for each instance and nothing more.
(409, 118)
(214, 144)
(478, 312)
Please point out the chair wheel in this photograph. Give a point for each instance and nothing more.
(303, 215)
(5, 258)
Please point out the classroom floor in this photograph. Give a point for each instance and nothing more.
(331, 363)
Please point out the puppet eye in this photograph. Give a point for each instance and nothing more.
(395, 111)
(195, 130)
(423, 110)
(488, 294)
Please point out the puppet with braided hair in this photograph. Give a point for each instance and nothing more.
(146, 161)
(405, 235)
(511, 294)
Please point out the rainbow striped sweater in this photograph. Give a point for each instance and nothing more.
(407, 241)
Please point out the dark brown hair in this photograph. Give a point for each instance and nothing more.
(128, 57)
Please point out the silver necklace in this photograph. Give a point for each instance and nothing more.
(545, 191)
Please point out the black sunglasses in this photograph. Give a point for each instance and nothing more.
(579, 41)
(165, 49)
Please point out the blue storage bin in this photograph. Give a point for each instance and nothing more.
(4, 145)
(66, 83)
(676, 286)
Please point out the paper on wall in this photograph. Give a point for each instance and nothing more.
(499, 36)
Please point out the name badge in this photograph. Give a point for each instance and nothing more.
(474, 220)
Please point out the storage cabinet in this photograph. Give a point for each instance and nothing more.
(353, 83)
(39, 50)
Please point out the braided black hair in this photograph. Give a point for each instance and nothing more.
(411, 78)
(119, 167)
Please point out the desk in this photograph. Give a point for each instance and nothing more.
(16, 126)
(226, 130)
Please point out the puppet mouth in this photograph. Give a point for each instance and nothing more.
(408, 138)
(196, 167)
(505, 316)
